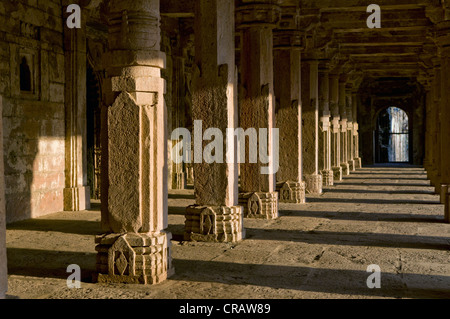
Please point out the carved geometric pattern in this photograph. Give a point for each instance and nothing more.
(259, 205)
(291, 192)
(214, 224)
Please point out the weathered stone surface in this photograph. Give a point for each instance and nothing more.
(3, 262)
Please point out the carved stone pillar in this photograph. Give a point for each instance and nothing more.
(344, 127)
(350, 145)
(325, 127)
(257, 20)
(287, 61)
(76, 192)
(216, 216)
(136, 247)
(3, 263)
(335, 128)
(435, 174)
(310, 134)
(356, 158)
(444, 118)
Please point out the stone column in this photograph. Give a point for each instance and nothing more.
(336, 128)
(310, 134)
(216, 216)
(325, 127)
(3, 264)
(287, 78)
(76, 192)
(350, 145)
(356, 158)
(257, 20)
(344, 129)
(436, 173)
(444, 118)
(136, 247)
(433, 117)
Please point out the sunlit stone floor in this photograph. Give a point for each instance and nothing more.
(386, 216)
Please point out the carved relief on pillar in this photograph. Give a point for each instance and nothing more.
(292, 192)
(214, 224)
(327, 177)
(133, 258)
(259, 205)
(314, 184)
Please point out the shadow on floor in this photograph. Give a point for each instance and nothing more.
(371, 201)
(80, 227)
(338, 281)
(362, 216)
(368, 191)
(351, 239)
(49, 264)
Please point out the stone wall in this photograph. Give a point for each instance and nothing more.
(33, 106)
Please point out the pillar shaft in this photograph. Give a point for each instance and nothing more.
(356, 157)
(287, 86)
(350, 145)
(76, 193)
(136, 248)
(216, 215)
(310, 135)
(336, 128)
(3, 263)
(325, 128)
(257, 111)
(444, 116)
(344, 128)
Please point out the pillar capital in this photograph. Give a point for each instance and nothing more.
(288, 39)
(258, 14)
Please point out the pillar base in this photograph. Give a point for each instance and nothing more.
(345, 169)
(337, 173)
(292, 192)
(358, 162)
(259, 205)
(328, 177)
(217, 224)
(134, 258)
(77, 199)
(443, 192)
(179, 181)
(351, 165)
(314, 184)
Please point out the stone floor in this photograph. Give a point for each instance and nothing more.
(387, 216)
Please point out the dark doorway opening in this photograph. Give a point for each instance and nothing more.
(392, 137)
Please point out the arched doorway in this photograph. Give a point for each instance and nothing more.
(392, 138)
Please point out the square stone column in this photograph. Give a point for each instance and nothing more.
(444, 118)
(135, 247)
(256, 20)
(287, 61)
(436, 174)
(325, 127)
(350, 145)
(310, 133)
(216, 216)
(335, 128)
(3, 263)
(76, 192)
(356, 157)
(433, 107)
(344, 127)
